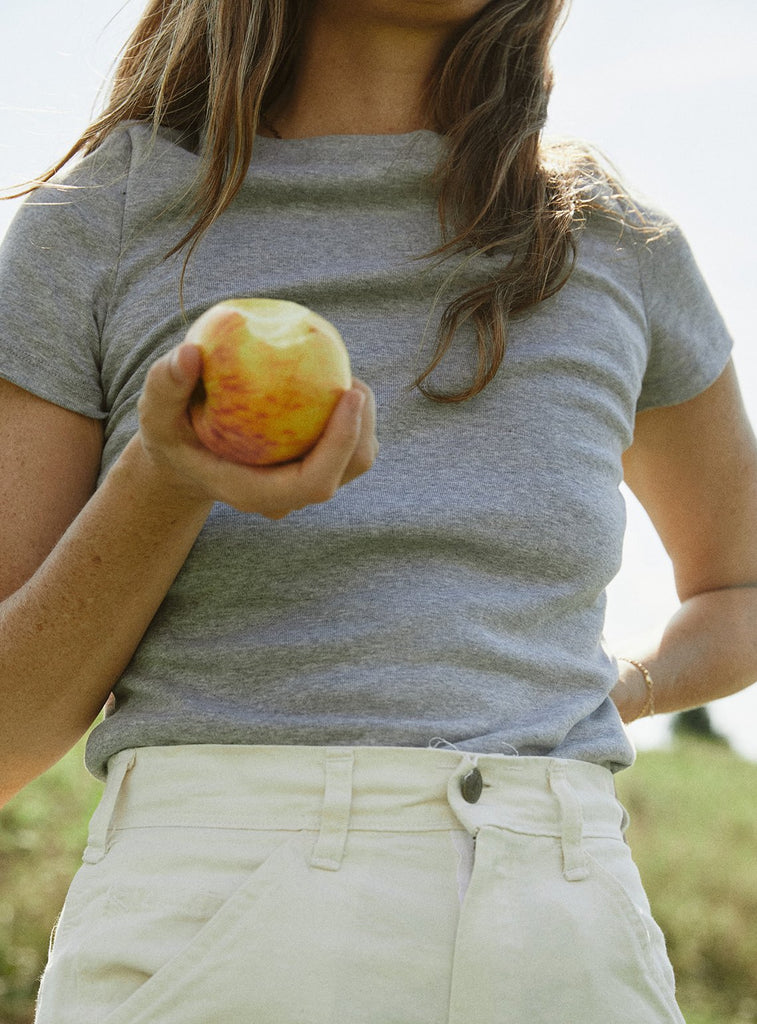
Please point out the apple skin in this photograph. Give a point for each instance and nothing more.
(272, 374)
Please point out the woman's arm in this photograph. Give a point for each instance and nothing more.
(82, 574)
(693, 467)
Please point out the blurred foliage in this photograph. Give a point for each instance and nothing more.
(693, 832)
(697, 724)
(694, 836)
(43, 831)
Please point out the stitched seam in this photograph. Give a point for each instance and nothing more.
(119, 253)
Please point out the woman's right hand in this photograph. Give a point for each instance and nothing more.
(346, 450)
(83, 571)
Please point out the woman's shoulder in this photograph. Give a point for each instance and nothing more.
(602, 197)
(128, 148)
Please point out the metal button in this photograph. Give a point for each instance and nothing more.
(472, 786)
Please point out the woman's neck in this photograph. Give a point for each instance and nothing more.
(364, 70)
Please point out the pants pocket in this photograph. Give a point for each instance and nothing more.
(140, 943)
(534, 946)
(613, 870)
(208, 980)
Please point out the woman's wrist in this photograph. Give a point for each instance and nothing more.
(148, 476)
(647, 708)
(634, 693)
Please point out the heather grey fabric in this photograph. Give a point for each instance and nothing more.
(455, 591)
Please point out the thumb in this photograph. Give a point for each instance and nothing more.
(169, 386)
(185, 365)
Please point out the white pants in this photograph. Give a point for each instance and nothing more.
(274, 885)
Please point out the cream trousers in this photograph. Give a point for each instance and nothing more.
(302, 885)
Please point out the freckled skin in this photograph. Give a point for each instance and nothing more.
(265, 403)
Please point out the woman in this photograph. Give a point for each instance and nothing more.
(359, 760)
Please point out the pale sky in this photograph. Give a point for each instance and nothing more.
(666, 88)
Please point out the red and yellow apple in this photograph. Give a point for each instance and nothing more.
(272, 374)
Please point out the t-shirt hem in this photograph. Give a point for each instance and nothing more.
(704, 379)
(50, 394)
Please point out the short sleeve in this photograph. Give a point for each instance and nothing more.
(58, 261)
(689, 343)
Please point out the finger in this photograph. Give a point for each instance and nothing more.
(369, 409)
(168, 388)
(185, 364)
(321, 471)
(274, 491)
(368, 446)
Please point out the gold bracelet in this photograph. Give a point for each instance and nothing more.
(648, 708)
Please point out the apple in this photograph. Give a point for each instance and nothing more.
(272, 374)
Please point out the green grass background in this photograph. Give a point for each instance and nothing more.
(693, 831)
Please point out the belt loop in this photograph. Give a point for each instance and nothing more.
(335, 814)
(575, 868)
(625, 820)
(99, 827)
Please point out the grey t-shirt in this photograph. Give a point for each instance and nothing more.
(455, 591)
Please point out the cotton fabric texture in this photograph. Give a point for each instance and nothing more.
(300, 885)
(458, 588)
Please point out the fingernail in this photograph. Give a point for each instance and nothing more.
(174, 367)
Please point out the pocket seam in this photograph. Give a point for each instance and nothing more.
(184, 961)
(634, 917)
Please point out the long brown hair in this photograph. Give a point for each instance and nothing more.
(210, 68)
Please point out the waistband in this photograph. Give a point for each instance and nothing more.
(386, 788)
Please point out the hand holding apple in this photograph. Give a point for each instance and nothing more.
(272, 374)
(190, 472)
